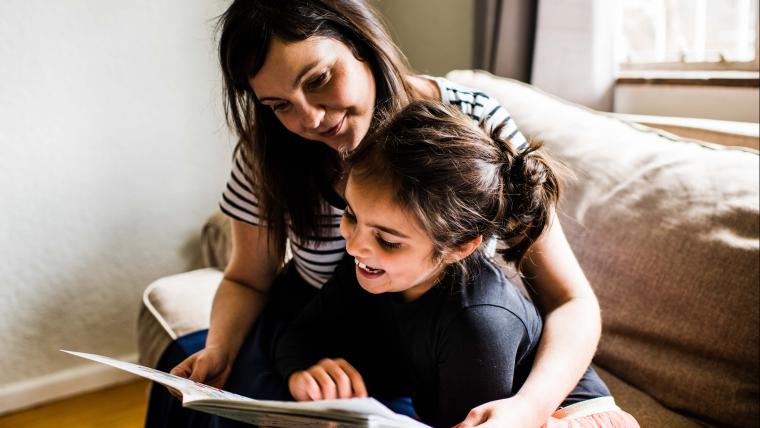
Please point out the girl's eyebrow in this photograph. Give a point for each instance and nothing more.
(389, 230)
(377, 226)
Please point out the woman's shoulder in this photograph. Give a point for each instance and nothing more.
(425, 87)
(450, 91)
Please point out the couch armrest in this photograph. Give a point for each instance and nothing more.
(723, 132)
(172, 307)
(216, 241)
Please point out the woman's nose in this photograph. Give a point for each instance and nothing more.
(311, 116)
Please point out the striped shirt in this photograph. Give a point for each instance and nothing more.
(316, 261)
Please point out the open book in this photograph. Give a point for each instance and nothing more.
(353, 412)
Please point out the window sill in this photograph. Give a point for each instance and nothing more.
(740, 79)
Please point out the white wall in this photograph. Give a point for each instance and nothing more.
(435, 35)
(708, 102)
(573, 56)
(113, 151)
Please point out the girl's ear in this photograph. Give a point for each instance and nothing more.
(463, 250)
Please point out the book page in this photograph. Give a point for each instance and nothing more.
(354, 412)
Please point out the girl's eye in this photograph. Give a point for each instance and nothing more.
(318, 81)
(387, 245)
(349, 216)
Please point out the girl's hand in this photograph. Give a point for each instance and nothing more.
(328, 379)
(210, 365)
(509, 412)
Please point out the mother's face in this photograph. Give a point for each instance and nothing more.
(318, 90)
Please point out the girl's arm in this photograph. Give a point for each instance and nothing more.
(323, 329)
(237, 303)
(572, 326)
(480, 354)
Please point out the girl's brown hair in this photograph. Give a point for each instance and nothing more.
(290, 173)
(459, 181)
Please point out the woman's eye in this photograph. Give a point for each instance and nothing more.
(349, 216)
(387, 245)
(318, 81)
(278, 106)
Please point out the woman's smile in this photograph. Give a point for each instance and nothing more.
(333, 131)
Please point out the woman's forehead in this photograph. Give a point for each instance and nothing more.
(287, 61)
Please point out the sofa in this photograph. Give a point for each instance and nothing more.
(667, 230)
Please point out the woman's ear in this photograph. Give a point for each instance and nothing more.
(463, 250)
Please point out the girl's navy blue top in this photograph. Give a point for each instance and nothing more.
(461, 344)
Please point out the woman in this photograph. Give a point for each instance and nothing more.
(304, 81)
(416, 308)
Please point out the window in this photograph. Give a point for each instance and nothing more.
(687, 35)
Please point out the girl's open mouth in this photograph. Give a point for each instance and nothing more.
(368, 271)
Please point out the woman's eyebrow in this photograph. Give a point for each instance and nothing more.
(303, 72)
(297, 81)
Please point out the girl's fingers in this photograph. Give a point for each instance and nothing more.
(326, 383)
(355, 378)
(329, 379)
(310, 387)
(303, 387)
(339, 376)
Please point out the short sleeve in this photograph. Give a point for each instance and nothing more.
(484, 109)
(477, 360)
(239, 200)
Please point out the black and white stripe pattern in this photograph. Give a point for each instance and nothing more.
(316, 260)
(483, 109)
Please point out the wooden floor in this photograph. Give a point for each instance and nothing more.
(122, 406)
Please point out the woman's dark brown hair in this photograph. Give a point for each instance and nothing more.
(459, 181)
(290, 173)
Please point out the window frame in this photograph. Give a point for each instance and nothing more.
(754, 65)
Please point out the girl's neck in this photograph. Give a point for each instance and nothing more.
(419, 290)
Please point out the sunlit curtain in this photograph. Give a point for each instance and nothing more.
(504, 37)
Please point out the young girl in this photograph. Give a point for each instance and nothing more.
(417, 309)
(304, 79)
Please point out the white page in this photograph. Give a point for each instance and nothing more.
(196, 394)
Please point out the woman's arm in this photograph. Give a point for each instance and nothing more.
(237, 303)
(572, 326)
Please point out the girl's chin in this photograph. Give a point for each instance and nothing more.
(371, 285)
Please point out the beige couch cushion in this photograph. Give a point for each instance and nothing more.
(172, 307)
(648, 412)
(667, 232)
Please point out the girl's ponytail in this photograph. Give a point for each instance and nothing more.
(530, 192)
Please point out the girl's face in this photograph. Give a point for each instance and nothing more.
(391, 251)
(318, 90)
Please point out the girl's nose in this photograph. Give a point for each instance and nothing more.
(356, 245)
